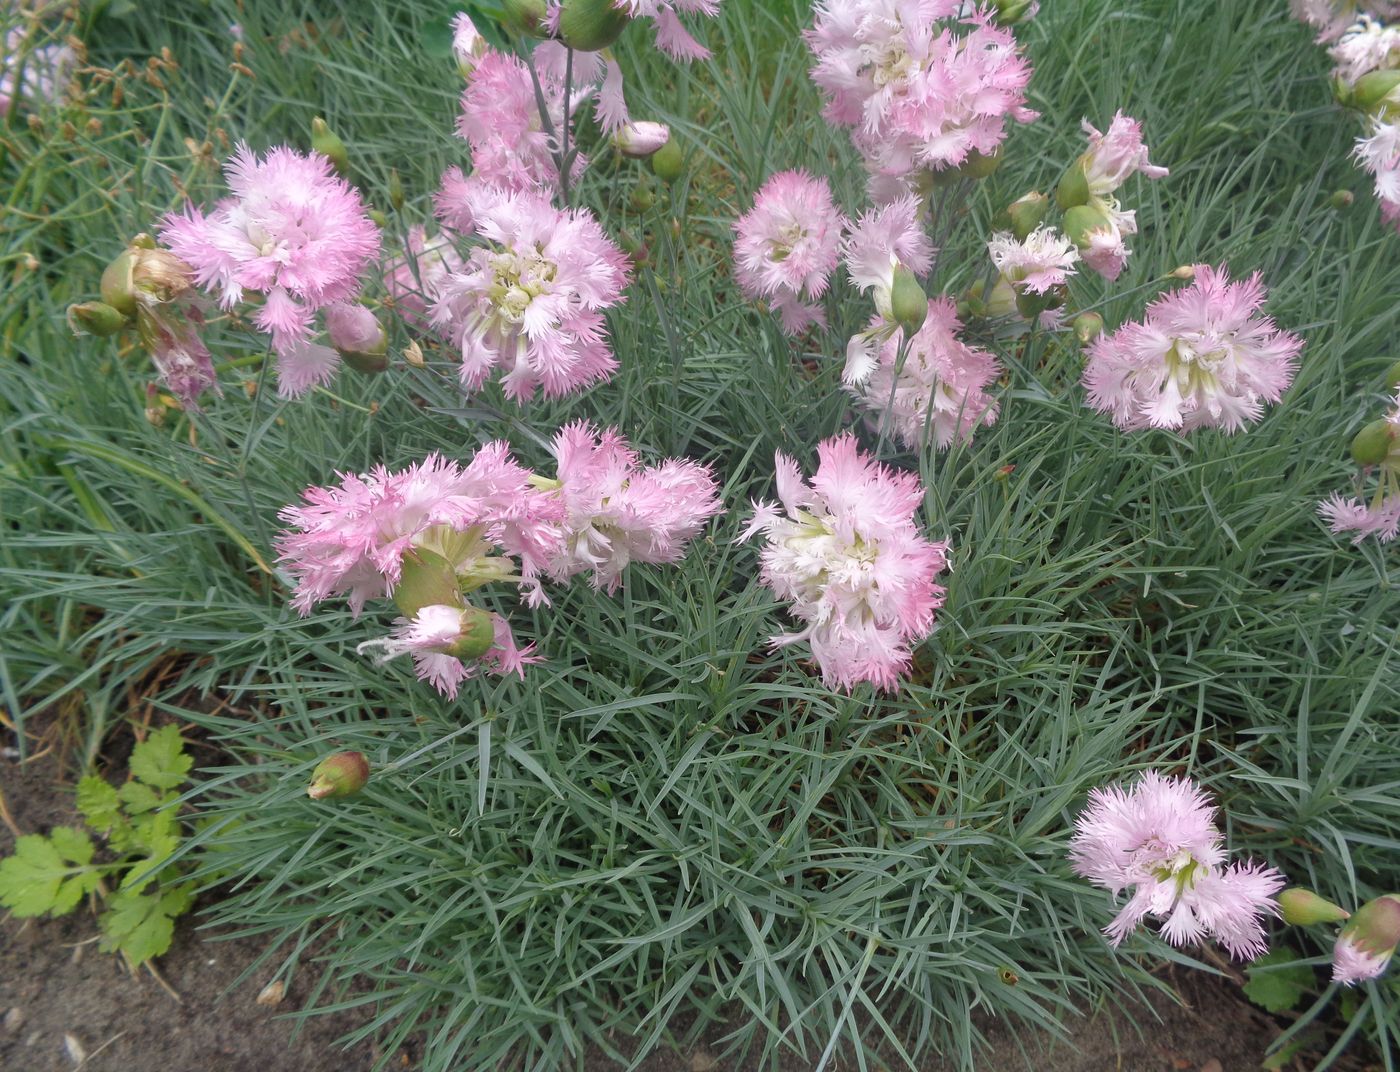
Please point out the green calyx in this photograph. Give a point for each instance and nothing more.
(908, 302)
(341, 775)
(95, 318)
(1303, 908)
(1074, 187)
(591, 25)
(477, 636)
(426, 579)
(1371, 446)
(668, 162)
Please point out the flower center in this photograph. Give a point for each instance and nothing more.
(517, 280)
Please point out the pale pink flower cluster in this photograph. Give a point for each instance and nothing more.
(617, 512)
(1379, 155)
(1331, 18)
(1380, 515)
(886, 239)
(1044, 260)
(292, 232)
(1367, 45)
(488, 522)
(1159, 840)
(1112, 158)
(922, 84)
(1202, 357)
(528, 300)
(845, 552)
(940, 390)
(787, 246)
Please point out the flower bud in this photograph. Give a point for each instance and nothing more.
(1372, 934)
(380, 220)
(340, 775)
(1392, 376)
(1010, 12)
(1371, 445)
(1342, 199)
(524, 16)
(1074, 187)
(116, 285)
(144, 273)
(908, 302)
(1303, 908)
(1087, 327)
(591, 25)
(1371, 89)
(94, 318)
(642, 198)
(426, 579)
(395, 189)
(358, 336)
(640, 140)
(413, 354)
(326, 142)
(1080, 221)
(477, 636)
(1026, 214)
(1185, 273)
(668, 162)
(977, 166)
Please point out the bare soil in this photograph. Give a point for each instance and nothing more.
(65, 1006)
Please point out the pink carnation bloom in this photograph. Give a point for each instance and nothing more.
(1352, 963)
(884, 239)
(430, 637)
(942, 383)
(530, 299)
(1367, 45)
(847, 555)
(787, 246)
(1379, 155)
(617, 512)
(1114, 157)
(1332, 18)
(1380, 517)
(294, 232)
(672, 37)
(415, 278)
(351, 540)
(1103, 250)
(917, 93)
(1202, 357)
(1159, 840)
(1044, 260)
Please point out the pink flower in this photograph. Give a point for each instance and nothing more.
(1045, 259)
(1367, 45)
(616, 512)
(1159, 840)
(1202, 357)
(672, 37)
(435, 637)
(887, 237)
(467, 43)
(1103, 249)
(639, 140)
(942, 383)
(1367, 941)
(1114, 157)
(500, 122)
(846, 554)
(1380, 517)
(415, 278)
(787, 246)
(180, 356)
(1379, 155)
(351, 540)
(1331, 18)
(354, 328)
(529, 300)
(917, 93)
(292, 231)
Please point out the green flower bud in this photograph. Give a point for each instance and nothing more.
(591, 25)
(1010, 12)
(1087, 327)
(668, 162)
(478, 634)
(427, 579)
(1074, 187)
(341, 775)
(94, 318)
(395, 189)
(908, 302)
(523, 16)
(1372, 444)
(1026, 214)
(641, 198)
(977, 166)
(1371, 89)
(1392, 376)
(1342, 199)
(1080, 220)
(326, 142)
(1303, 908)
(1375, 926)
(380, 220)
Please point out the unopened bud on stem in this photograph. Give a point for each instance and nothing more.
(94, 318)
(908, 302)
(1371, 445)
(1303, 908)
(591, 25)
(326, 142)
(341, 775)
